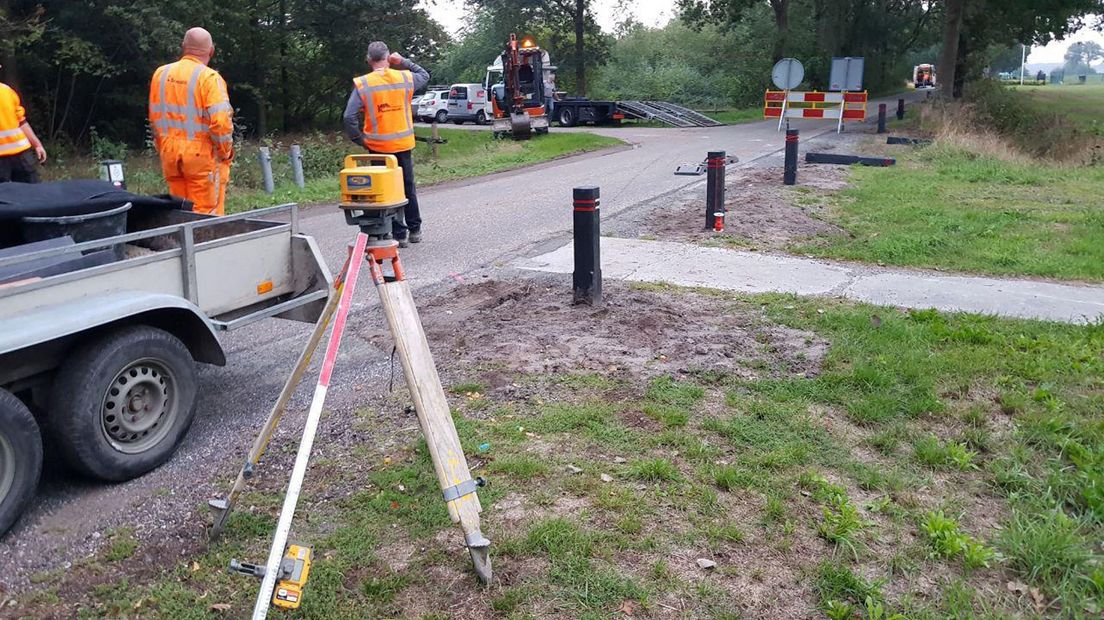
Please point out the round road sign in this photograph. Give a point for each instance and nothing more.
(787, 73)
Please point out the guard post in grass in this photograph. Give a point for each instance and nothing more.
(789, 173)
(714, 187)
(881, 117)
(296, 156)
(900, 109)
(587, 279)
(265, 157)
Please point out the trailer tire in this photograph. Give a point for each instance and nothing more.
(20, 459)
(567, 117)
(121, 403)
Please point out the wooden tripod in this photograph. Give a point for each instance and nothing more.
(457, 485)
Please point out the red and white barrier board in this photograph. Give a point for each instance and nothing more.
(845, 106)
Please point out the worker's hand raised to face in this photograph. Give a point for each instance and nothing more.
(395, 59)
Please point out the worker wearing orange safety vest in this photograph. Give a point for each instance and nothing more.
(383, 97)
(193, 125)
(20, 149)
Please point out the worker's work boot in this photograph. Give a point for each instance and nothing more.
(403, 243)
(415, 236)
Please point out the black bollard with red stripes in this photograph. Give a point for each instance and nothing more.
(714, 189)
(789, 173)
(881, 118)
(900, 109)
(587, 279)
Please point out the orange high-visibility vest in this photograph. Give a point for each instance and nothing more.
(190, 110)
(388, 120)
(12, 139)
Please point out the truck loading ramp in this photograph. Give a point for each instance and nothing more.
(665, 112)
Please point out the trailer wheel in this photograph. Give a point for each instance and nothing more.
(20, 458)
(481, 118)
(121, 403)
(442, 116)
(567, 117)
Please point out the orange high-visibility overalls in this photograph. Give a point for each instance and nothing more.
(193, 131)
(388, 121)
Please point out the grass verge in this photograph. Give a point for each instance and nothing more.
(936, 466)
(467, 154)
(947, 207)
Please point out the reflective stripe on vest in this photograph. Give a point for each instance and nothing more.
(372, 128)
(193, 123)
(12, 139)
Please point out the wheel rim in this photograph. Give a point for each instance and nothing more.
(7, 467)
(139, 406)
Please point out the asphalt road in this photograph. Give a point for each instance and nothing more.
(470, 228)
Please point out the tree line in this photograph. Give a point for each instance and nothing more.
(84, 65)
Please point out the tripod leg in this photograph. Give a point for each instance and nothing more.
(222, 507)
(433, 412)
(299, 471)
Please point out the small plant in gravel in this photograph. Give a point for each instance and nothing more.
(838, 610)
(928, 450)
(654, 470)
(948, 542)
(842, 526)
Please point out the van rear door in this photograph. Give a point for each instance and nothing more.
(458, 101)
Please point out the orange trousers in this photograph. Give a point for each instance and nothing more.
(197, 177)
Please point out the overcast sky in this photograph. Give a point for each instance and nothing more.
(452, 13)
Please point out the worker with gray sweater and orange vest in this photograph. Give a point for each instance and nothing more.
(383, 97)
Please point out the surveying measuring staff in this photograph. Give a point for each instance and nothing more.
(193, 125)
(383, 97)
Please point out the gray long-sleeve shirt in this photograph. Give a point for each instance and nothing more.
(355, 107)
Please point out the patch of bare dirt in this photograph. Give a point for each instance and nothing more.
(531, 326)
(762, 213)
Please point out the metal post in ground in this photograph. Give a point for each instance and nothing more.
(881, 118)
(436, 137)
(714, 186)
(900, 109)
(587, 279)
(789, 174)
(297, 165)
(266, 169)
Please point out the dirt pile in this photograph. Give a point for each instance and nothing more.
(762, 213)
(529, 325)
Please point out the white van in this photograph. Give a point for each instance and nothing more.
(467, 102)
(433, 106)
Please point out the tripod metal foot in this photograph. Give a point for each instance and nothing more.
(481, 561)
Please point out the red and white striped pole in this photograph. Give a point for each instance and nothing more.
(299, 471)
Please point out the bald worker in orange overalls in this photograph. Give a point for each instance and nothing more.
(193, 125)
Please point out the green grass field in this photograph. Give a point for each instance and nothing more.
(467, 154)
(1081, 103)
(946, 208)
(936, 466)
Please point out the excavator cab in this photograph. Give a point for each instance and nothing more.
(517, 103)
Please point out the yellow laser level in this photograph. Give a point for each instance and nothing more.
(294, 571)
(372, 182)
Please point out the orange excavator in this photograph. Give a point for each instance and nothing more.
(517, 102)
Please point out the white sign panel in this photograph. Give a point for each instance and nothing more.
(788, 73)
(847, 73)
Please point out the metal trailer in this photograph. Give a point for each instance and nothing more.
(571, 111)
(104, 356)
